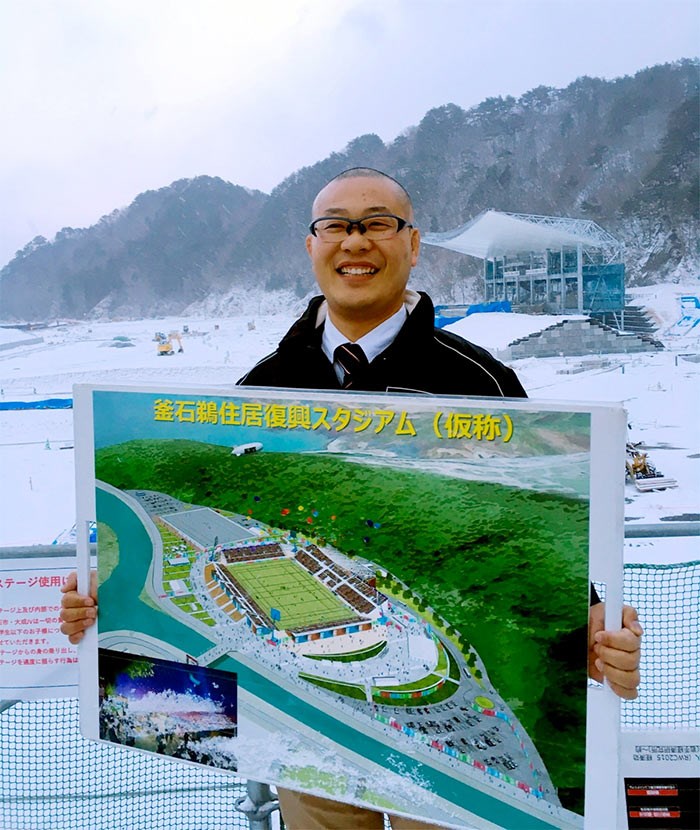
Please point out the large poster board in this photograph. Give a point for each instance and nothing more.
(381, 599)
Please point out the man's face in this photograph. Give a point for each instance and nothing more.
(363, 280)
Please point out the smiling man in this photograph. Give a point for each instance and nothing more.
(363, 245)
(362, 267)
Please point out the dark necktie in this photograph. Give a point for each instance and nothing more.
(352, 360)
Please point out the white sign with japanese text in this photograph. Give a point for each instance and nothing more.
(36, 660)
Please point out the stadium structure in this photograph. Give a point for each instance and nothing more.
(546, 264)
(311, 612)
(285, 591)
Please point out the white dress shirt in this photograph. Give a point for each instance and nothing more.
(374, 342)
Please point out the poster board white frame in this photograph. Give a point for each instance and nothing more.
(606, 504)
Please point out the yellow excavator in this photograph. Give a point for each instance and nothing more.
(164, 343)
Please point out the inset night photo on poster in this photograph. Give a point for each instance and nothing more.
(184, 711)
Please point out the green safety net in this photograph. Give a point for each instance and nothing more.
(667, 598)
(54, 779)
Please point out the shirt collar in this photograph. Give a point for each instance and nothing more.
(375, 341)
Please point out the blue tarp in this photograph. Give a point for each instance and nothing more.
(497, 305)
(49, 403)
(443, 317)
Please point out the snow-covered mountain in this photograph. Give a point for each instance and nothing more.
(623, 153)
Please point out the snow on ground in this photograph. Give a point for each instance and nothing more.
(37, 494)
(14, 337)
(663, 301)
(37, 502)
(87, 353)
(660, 394)
(494, 331)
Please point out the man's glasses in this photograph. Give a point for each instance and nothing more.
(375, 227)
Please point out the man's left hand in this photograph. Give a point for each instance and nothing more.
(614, 655)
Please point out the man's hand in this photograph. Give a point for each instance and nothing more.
(78, 611)
(614, 655)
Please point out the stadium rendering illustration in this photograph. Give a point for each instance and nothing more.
(341, 631)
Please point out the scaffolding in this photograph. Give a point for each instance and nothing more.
(547, 264)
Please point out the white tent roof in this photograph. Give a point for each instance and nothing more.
(493, 233)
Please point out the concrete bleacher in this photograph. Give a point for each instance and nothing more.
(353, 598)
(308, 562)
(355, 592)
(632, 318)
(579, 337)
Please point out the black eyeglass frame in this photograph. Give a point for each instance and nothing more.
(359, 223)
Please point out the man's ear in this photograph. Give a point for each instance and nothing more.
(415, 245)
(309, 242)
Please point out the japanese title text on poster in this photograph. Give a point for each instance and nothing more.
(477, 426)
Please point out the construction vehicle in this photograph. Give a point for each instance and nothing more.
(164, 343)
(643, 473)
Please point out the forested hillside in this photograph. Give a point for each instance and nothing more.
(623, 153)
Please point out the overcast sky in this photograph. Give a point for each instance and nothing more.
(103, 99)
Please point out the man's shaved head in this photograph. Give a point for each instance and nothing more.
(371, 173)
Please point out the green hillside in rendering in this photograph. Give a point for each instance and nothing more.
(505, 567)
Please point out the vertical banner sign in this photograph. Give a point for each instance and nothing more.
(379, 599)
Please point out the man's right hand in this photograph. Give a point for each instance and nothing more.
(78, 611)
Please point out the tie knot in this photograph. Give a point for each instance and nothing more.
(352, 360)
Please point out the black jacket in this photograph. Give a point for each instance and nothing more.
(421, 359)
